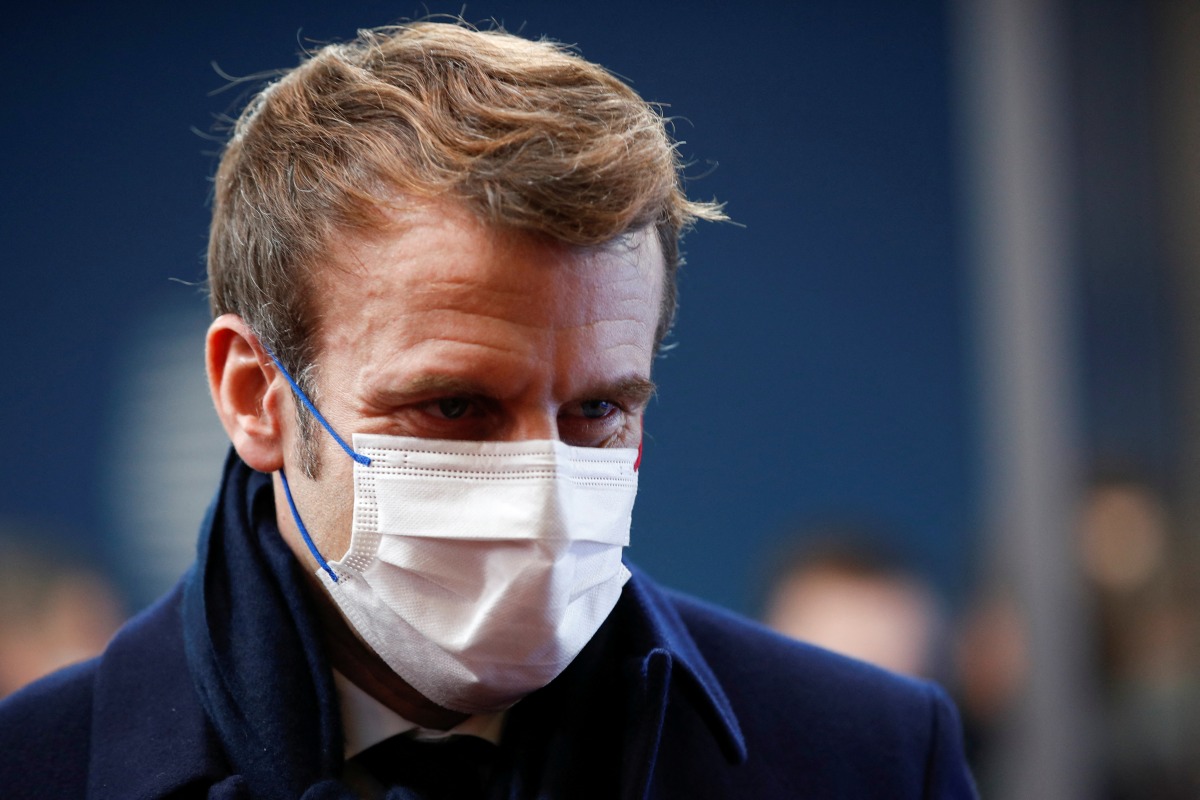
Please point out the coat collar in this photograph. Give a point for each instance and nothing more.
(666, 644)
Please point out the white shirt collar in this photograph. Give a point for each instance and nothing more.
(366, 721)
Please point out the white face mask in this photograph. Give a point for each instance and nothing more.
(479, 570)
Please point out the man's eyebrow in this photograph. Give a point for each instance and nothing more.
(430, 386)
(634, 389)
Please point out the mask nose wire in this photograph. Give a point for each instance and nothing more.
(287, 489)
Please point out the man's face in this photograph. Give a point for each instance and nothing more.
(450, 329)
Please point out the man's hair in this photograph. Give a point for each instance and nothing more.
(526, 134)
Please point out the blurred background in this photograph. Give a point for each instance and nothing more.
(933, 399)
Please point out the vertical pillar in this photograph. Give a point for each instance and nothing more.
(1012, 89)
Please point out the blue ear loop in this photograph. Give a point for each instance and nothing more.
(287, 490)
(312, 548)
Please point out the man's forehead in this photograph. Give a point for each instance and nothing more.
(464, 240)
(439, 265)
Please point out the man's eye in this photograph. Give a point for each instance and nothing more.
(596, 409)
(452, 407)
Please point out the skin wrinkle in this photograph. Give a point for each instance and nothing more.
(477, 303)
(439, 315)
(503, 348)
(480, 313)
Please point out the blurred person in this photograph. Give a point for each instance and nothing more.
(991, 664)
(54, 610)
(456, 249)
(1142, 586)
(847, 593)
(846, 588)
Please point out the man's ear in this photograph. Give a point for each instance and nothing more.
(241, 379)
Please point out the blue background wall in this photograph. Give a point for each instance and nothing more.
(821, 362)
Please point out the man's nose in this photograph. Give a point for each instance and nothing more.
(539, 424)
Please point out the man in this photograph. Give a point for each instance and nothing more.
(441, 262)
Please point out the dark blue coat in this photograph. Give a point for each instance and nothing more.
(222, 690)
(726, 709)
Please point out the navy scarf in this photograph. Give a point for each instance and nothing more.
(253, 650)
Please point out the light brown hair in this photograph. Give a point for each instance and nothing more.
(526, 134)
